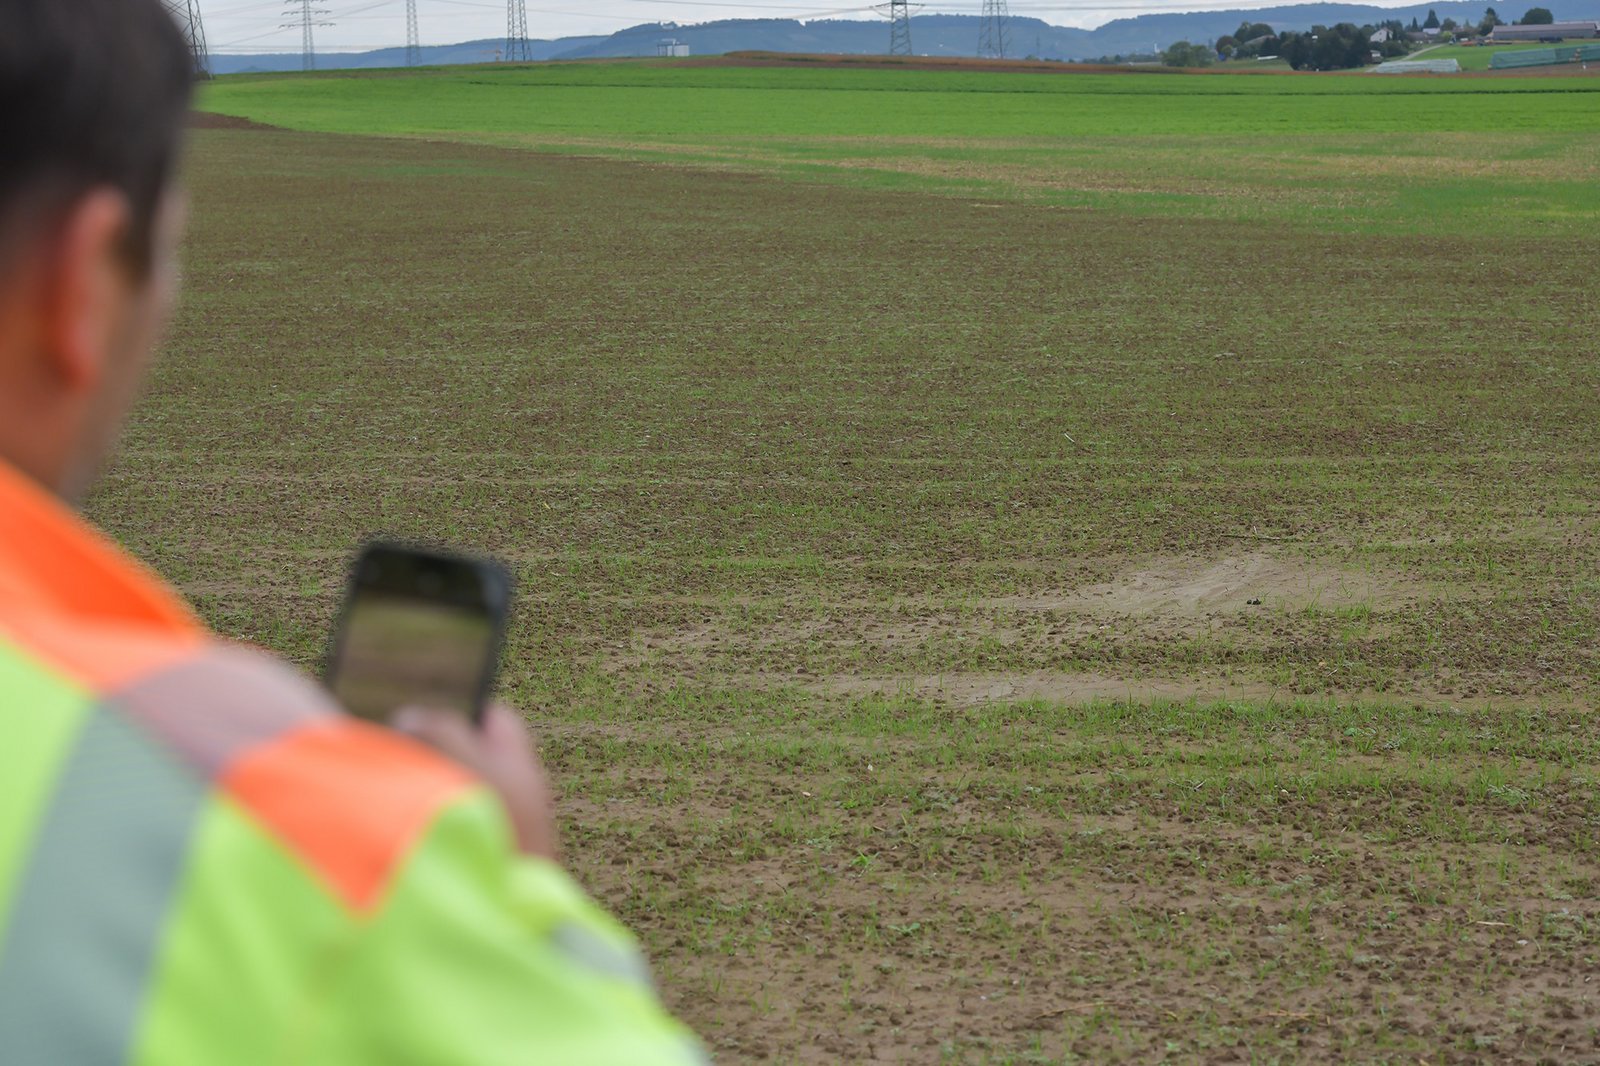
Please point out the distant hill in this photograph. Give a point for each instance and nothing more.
(434, 55)
(935, 35)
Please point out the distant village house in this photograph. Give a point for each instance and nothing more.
(1550, 31)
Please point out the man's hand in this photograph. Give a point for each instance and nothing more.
(501, 752)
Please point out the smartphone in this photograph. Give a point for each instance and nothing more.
(419, 628)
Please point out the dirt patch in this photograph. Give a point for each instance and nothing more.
(1188, 587)
(970, 690)
(1110, 629)
(206, 120)
(963, 690)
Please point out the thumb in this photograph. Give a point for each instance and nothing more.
(447, 732)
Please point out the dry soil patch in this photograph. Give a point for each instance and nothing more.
(1189, 587)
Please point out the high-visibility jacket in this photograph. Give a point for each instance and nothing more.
(202, 862)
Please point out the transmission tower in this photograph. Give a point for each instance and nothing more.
(899, 15)
(518, 48)
(413, 39)
(993, 37)
(306, 17)
(186, 13)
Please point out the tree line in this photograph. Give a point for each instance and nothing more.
(1340, 47)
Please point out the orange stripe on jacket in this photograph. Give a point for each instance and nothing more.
(84, 572)
(100, 658)
(74, 599)
(349, 798)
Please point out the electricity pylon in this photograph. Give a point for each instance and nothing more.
(308, 17)
(518, 48)
(993, 36)
(413, 39)
(186, 13)
(899, 15)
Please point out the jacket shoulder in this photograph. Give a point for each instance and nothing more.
(349, 799)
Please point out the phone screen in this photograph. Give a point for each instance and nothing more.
(418, 629)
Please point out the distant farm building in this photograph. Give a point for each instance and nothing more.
(1552, 31)
(671, 47)
(1382, 36)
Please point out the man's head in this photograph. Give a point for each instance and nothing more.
(93, 100)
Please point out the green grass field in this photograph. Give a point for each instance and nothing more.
(1346, 152)
(990, 591)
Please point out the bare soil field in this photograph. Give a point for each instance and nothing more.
(963, 631)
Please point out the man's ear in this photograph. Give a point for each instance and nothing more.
(86, 289)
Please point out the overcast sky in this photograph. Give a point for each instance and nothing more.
(358, 25)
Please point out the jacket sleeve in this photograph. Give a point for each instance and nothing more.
(477, 954)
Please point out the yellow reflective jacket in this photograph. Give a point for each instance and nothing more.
(201, 861)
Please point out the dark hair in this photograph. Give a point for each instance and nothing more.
(92, 93)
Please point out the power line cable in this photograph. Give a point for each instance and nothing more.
(227, 12)
(991, 42)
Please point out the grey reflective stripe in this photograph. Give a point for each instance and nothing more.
(88, 915)
(220, 703)
(589, 949)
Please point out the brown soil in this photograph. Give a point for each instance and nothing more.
(969, 925)
(1140, 603)
(206, 120)
(746, 487)
(1185, 586)
(969, 690)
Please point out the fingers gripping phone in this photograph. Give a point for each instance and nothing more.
(419, 628)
